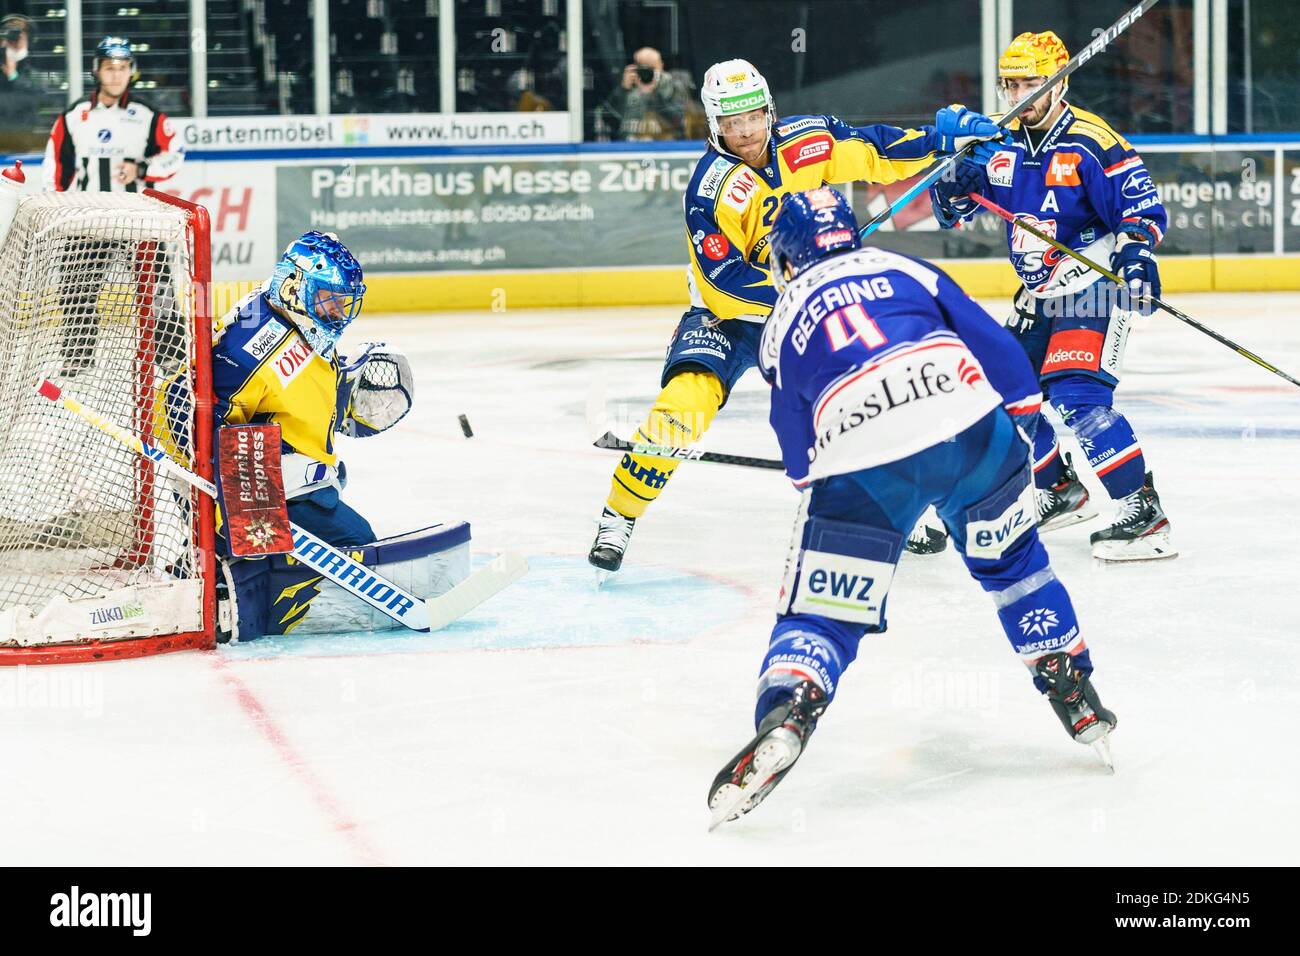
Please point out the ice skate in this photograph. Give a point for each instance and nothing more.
(1140, 531)
(927, 537)
(1077, 704)
(754, 772)
(1064, 503)
(612, 536)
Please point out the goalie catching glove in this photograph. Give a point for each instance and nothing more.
(380, 391)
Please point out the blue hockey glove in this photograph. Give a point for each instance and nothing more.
(1134, 261)
(958, 126)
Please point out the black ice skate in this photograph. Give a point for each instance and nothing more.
(612, 535)
(926, 539)
(754, 772)
(1064, 503)
(1076, 702)
(1140, 531)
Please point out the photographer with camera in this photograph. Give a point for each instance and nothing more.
(650, 103)
(20, 94)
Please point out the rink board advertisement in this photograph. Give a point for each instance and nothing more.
(561, 222)
(510, 213)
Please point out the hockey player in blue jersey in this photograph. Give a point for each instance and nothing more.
(892, 391)
(1073, 177)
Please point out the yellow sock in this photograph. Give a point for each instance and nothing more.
(679, 416)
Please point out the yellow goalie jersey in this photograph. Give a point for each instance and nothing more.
(730, 206)
(263, 370)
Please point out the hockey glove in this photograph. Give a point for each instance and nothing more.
(958, 126)
(948, 196)
(1134, 261)
(381, 391)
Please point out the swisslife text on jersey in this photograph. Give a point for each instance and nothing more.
(874, 356)
(1082, 184)
(730, 205)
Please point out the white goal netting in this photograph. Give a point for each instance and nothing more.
(95, 543)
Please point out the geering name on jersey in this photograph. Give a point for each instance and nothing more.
(874, 356)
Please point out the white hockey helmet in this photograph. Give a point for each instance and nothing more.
(731, 87)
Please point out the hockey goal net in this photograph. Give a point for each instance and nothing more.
(101, 554)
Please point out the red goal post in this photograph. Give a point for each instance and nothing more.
(102, 556)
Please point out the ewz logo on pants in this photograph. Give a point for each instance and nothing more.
(842, 588)
(991, 538)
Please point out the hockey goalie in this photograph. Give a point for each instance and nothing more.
(275, 360)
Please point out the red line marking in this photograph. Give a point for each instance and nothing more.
(339, 821)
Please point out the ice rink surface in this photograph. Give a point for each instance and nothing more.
(558, 724)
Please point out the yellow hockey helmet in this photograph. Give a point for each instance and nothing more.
(1033, 54)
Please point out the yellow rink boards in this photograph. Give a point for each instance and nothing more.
(498, 291)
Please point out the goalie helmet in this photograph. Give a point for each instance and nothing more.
(317, 285)
(732, 87)
(810, 226)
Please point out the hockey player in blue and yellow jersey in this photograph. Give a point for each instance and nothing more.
(892, 391)
(275, 360)
(753, 161)
(1073, 177)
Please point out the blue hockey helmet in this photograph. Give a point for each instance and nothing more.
(317, 284)
(810, 226)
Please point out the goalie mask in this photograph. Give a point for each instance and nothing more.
(317, 285)
(730, 88)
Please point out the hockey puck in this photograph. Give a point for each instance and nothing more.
(464, 426)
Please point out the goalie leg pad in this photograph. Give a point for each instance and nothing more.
(280, 595)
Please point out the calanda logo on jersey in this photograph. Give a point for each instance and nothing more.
(806, 152)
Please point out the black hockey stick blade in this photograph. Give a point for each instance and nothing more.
(614, 443)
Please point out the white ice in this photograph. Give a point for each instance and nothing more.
(563, 725)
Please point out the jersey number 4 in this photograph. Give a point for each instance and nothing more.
(852, 324)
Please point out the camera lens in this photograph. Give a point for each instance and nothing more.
(645, 73)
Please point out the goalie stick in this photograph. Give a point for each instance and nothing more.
(1096, 46)
(404, 608)
(1158, 303)
(614, 443)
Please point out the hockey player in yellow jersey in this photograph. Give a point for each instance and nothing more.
(753, 161)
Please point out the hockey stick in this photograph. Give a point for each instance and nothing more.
(1098, 45)
(383, 595)
(1158, 303)
(614, 443)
